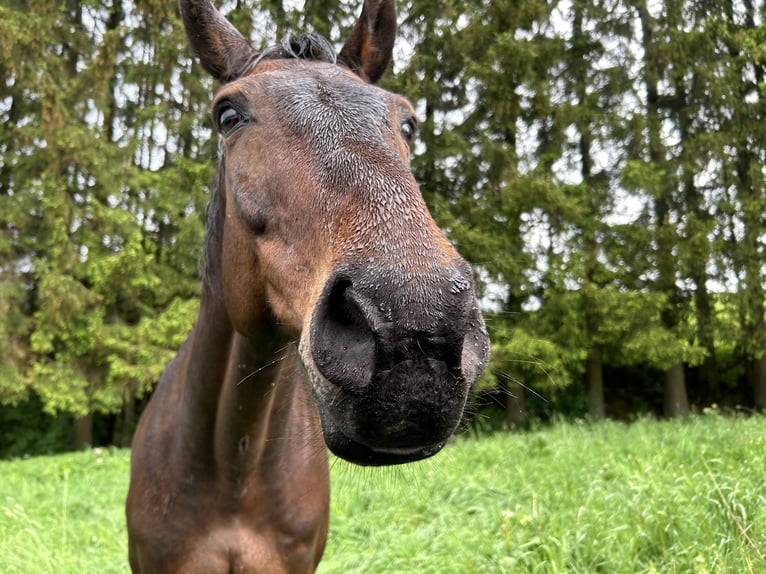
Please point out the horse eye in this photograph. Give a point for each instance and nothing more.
(228, 118)
(408, 130)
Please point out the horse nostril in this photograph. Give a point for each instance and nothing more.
(342, 337)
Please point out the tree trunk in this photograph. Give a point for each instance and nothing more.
(83, 431)
(676, 401)
(756, 374)
(595, 375)
(666, 209)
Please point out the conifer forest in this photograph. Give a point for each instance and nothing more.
(601, 163)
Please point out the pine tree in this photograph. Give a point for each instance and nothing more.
(89, 256)
(743, 120)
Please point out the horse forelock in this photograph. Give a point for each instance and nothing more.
(310, 46)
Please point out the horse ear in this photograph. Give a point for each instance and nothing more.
(367, 52)
(220, 48)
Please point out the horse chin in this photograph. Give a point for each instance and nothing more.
(334, 407)
(348, 449)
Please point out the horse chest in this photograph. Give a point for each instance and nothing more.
(239, 523)
(212, 541)
(234, 547)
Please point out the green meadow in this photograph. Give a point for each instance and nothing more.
(677, 496)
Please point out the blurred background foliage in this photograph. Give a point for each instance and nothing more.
(600, 162)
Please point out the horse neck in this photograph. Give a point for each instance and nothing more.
(239, 394)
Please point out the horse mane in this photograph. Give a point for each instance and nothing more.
(212, 245)
(310, 46)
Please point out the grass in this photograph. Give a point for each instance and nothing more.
(63, 514)
(681, 496)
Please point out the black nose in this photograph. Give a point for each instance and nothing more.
(359, 331)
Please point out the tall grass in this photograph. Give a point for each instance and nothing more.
(63, 514)
(681, 496)
(685, 496)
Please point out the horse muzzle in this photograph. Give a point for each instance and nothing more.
(391, 363)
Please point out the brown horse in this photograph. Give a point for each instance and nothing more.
(332, 307)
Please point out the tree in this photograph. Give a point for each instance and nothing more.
(743, 178)
(539, 121)
(84, 255)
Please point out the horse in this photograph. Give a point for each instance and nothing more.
(334, 313)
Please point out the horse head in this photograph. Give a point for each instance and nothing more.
(319, 226)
